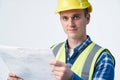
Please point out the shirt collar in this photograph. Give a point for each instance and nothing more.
(81, 46)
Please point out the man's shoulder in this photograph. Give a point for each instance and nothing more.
(105, 54)
(56, 44)
(55, 48)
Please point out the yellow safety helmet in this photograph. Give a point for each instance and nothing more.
(73, 4)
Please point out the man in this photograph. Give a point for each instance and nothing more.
(79, 58)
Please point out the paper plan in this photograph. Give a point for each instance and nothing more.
(30, 64)
(3, 70)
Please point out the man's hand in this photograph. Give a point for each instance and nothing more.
(12, 76)
(61, 70)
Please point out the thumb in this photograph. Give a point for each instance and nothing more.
(12, 74)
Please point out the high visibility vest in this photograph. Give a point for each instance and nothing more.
(85, 63)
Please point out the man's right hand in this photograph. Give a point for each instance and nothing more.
(12, 76)
(61, 70)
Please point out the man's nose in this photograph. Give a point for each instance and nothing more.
(71, 23)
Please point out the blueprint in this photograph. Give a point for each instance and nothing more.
(27, 63)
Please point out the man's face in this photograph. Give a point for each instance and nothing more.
(74, 23)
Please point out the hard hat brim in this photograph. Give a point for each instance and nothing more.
(60, 10)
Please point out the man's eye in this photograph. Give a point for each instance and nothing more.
(65, 18)
(76, 17)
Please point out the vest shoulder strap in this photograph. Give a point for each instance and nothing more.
(57, 47)
(88, 62)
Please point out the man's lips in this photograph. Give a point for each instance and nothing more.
(72, 29)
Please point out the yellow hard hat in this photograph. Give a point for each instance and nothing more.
(73, 4)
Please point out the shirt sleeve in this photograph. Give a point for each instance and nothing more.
(104, 69)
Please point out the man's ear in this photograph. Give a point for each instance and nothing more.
(87, 18)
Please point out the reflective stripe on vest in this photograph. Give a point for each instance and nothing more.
(88, 62)
(84, 64)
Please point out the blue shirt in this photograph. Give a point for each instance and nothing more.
(104, 69)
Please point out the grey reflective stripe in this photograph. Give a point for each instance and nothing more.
(88, 62)
(56, 49)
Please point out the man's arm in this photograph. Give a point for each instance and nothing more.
(104, 69)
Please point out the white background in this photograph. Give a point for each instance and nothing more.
(32, 23)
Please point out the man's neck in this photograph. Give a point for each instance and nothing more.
(75, 42)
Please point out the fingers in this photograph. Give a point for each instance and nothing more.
(58, 66)
(57, 63)
(61, 70)
(12, 76)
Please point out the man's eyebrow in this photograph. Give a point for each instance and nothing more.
(77, 14)
(63, 15)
